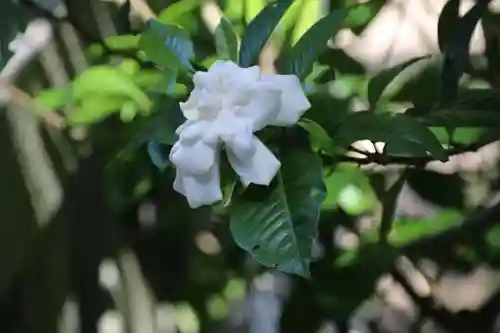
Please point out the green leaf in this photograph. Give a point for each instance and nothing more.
(159, 154)
(54, 99)
(122, 42)
(277, 224)
(463, 135)
(408, 231)
(108, 81)
(402, 134)
(259, 30)
(310, 12)
(130, 67)
(319, 138)
(173, 13)
(253, 8)
(128, 111)
(386, 84)
(457, 52)
(349, 188)
(160, 126)
(405, 129)
(302, 56)
(159, 81)
(362, 14)
(226, 41)
(389, 206)
(167, 45)
(448, 20)
(94, 108)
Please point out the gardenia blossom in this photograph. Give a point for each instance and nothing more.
(227, 105)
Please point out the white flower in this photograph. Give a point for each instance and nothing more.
(227, 105)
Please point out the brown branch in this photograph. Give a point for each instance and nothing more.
(464, 158)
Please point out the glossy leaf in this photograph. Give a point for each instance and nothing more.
(160, 126)
(389, 201)
(448, 20)
(226, 41)
(277, 224)
(259, 30)
(304, 53)
(457, 52)
(319, 138)
(159, 154)
(387, 83)
(402, 134)
(167, 45)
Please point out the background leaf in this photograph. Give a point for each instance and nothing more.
(448, 20)
(226, 41)
(457, 52)
(387, 83)
(302, 56)
(259, 30)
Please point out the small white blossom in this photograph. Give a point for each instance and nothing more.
(227, 105)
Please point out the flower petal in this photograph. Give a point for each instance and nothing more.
(258, 168)
(191, 131)
(263, 106)
(230, 73)
(199, 190)
(293, 100)
(195, 159)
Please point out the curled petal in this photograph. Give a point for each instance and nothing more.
(189, 108)
(228, 126)
(263, 106)
(201, 105)
(231, 73)
(257, 168)
(191, 131)
(293, 100)
(205, 81)
(199, 190)
(195, 159)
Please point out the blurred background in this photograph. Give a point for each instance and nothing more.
(94, 239)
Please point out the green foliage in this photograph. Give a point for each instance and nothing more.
(360, 15)
(386, 84)
(180, 13)
(168, 46)
(322, 177)
(389, 200)
(53, 99)
(401, 134)
(102, 90)
(302, 56)
(277, 224)
(259, 30)
(448, 19)
(226, 41)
